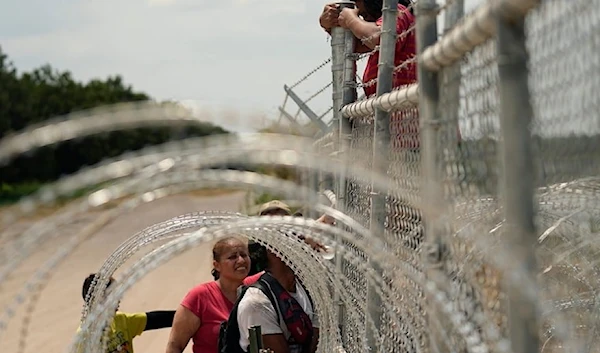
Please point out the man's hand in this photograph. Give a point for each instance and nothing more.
(329, 17)
(315, 244)
(348, 17)
(318, 247)
(327, 219)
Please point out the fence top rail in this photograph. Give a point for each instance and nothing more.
(473, 31)
(403, 98)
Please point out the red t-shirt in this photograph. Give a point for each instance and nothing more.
(252, 279)
(406, 48)
(208, 302)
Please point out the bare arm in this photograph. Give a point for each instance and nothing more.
(368, 34)
(185, 325)
(276, 342)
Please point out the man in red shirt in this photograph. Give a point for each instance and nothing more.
(365, 23)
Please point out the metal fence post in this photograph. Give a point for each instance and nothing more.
(348, 93)
(451, 79)
(432, 193)
(381, 147)
(343, 68)
(342, 53)
(453, 14)
(517, 183)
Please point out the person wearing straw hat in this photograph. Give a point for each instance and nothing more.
(285, 310)
(257, 251)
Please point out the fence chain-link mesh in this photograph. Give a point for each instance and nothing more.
(469, 109)
(404, 230)
(564, 89)
(358, 205)
(564, 45)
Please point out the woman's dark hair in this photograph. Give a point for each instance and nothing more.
(217, 251)
(215, 274)
(373, 7)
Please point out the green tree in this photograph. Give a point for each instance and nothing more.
(33, 97)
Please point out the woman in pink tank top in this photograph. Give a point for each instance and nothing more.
(205, 306)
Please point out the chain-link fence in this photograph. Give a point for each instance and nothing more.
(487, 164)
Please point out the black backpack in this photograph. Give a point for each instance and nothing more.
(229, 331)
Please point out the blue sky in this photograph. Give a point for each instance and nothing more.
(229, 57)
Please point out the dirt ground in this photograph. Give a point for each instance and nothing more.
(55, 316)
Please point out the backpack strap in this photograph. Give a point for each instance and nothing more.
(229, 332)
(273, 282)
(275, 289)
(264, 287)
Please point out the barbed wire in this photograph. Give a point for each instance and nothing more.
(318, 92)
(326, 112)
(312, 72)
